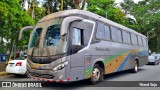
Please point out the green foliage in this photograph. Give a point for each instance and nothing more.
(39, 12)
(147, 15)
(153, 44)
(97, 10)
(2, 49)
(106, 8)
(12, 19)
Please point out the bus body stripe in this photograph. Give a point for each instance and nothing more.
(122, 65)
(111, 58)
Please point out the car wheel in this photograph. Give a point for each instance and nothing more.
(97, 74)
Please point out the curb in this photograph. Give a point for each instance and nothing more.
(4, 73)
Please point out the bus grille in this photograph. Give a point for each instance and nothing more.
(47, 76)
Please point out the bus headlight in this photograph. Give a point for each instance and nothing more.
(60, 66)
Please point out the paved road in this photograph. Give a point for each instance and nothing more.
(146, 73)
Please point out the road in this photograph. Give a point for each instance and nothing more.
(145, 73)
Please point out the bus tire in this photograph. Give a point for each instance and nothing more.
(135, 69)
(97, 74)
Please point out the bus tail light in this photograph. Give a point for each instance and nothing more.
(19, 64)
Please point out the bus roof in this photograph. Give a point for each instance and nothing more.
(89, 14)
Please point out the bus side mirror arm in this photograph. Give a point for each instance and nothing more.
(66, 22)
(24, 29)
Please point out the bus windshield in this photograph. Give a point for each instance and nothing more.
(53, 42)
(35, 38)
(52, 36)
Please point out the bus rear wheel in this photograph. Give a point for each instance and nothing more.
(135, 69)
(97, 74)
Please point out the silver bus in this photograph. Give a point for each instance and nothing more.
(74, 45)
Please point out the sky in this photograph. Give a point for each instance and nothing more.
(40, 4)
(117, 1)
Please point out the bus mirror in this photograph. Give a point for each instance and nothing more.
(66, 22)
(24, 29)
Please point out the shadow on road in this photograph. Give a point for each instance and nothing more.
(76, 84)
(17, 76)
(86, 83)
(119, 74)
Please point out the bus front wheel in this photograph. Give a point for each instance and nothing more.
(97, 74)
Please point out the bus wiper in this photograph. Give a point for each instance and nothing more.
(37, 40)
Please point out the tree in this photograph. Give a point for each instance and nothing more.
(2, 48)
(51, 6)
(79, 4)
(39, 12)
(147, 15)
(13, 18)
(48, 6)
(106, 8)
(76, 4)
(22, 3)
(32, 5)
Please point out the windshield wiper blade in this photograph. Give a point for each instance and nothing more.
(37, 40)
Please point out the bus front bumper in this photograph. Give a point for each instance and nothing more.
(48, 75)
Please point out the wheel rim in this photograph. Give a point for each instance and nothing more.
(136, 67)
(96, 74)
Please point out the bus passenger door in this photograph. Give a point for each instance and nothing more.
(80, 33)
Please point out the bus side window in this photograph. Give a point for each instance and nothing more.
(119, 36)
(100, 31)
(139, 40)
(144, 42)
(128, 38)
(107, 32)
(77, 38)
(124, 34)
(80, 35)
(114, 33)
(134, 39)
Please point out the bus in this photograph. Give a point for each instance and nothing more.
(75, 44)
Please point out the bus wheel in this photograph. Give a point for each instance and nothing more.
(135, 69)
(97, 74)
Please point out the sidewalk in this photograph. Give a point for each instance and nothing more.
(3, 73)
(3, 69)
